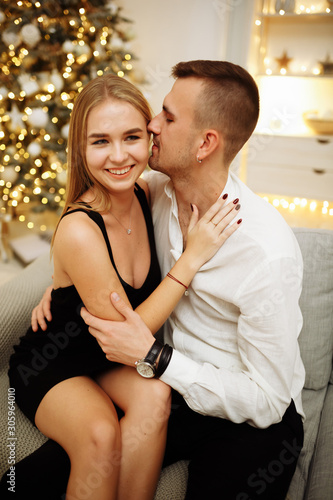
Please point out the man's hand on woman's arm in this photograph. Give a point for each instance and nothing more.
(42, 311)
(122, 341)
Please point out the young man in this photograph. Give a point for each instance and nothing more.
(234, 363)
(235, 367)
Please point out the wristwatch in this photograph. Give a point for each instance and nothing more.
(146, 367)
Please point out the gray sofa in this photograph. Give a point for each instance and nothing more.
(313, 479)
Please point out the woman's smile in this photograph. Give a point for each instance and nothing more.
(120, 172)
(117, 144)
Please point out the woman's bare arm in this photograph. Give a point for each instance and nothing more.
(81, 251)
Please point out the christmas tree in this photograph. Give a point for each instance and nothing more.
(49, 51)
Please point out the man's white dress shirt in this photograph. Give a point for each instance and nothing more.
(236, 353)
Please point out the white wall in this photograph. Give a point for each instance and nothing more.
(169, 31)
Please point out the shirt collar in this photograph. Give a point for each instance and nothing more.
(168, 188)
(229, 188)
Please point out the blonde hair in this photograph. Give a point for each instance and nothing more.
(79, 178)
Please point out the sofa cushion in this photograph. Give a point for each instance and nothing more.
(28, 437)
(17, 299)
(321, 484)
(173, 481)
(316, 338)
(313, 402)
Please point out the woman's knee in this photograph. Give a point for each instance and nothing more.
(101, 438)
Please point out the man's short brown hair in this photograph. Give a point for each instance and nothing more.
(229, 101)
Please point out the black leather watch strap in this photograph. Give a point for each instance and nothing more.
(154, 352)
(164, 360)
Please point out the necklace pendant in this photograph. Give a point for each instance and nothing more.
(129, 231)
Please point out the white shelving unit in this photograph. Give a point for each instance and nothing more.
(285, 157)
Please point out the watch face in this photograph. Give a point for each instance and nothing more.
(145, 369)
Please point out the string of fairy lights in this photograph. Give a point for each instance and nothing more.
(302, 206)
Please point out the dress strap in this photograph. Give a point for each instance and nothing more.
(141, 195)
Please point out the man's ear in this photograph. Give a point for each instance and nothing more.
(210, 142)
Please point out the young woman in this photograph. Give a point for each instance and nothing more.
(103, 243)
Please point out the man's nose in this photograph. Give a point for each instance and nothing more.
(154, 124)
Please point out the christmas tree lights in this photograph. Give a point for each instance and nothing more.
(48, 51)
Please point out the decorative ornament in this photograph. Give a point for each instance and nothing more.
(43, 79)
(327, 66)
(68, 46)
(278, 5)
(11, 150)
(11, 38)
(57, 80)
(289, 5)
(30, 35)
(116, 43)
(3, 92)
(34, 149)
(28, 84)
(38, 118)
(64, 131)
(62, 177)
(82, 50)
(112, 8)
(319, 123)
(2, 16)
(15, 115)
(282, 6)
(9, 174)
(93, 71)
(283, 61)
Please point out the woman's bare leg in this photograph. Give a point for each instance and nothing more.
(146, 404)
(81, 418)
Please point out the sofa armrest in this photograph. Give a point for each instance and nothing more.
(17, 299)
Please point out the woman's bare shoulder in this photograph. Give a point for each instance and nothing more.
(77, 228)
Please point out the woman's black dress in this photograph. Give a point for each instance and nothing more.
(44, 358)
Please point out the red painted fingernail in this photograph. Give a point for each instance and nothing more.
(236, 201)
(237, 207)
(239, 221)
(225, 196)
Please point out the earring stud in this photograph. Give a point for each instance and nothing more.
(198, 160)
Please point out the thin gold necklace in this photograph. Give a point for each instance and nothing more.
(127, 229)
